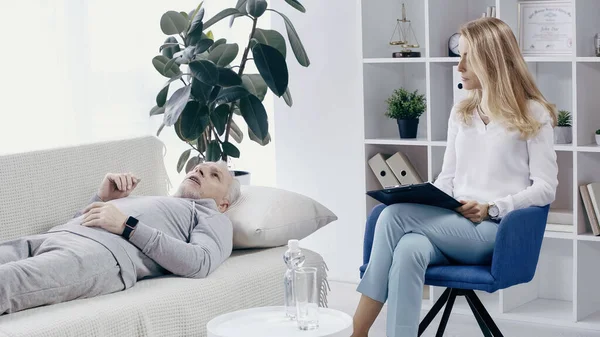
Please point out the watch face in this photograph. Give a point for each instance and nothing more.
(494, 211)
(453, 43)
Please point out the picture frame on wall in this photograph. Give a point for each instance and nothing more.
(546, 28)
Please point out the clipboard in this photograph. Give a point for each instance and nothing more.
(424, 193)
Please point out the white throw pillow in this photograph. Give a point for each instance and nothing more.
(265, 217)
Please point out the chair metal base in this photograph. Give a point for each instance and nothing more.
(485, 321)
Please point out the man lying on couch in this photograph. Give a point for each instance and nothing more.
(119, 239)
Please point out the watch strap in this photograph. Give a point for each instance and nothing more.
(130, 224)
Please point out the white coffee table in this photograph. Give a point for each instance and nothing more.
(271, 322)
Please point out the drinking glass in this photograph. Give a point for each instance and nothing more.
(307, 298)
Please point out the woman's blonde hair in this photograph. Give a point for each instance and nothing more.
(495, 58)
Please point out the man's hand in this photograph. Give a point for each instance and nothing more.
(473, 210)
(117, 185)
(104, 215)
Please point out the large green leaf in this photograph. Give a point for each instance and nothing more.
(262, 142)
(196, 25)
(255, 115)
(231, 150)
(194, 120)
(241, 7)
(214, 93)
(201, 91)
(193, 162)
(183, 159)
(161, 98)
(170, 47)
(272, 67)
(157, 110)
(203, 45)
(173, 22)
(235, 132)
(219, 118)
(213, 151)
(228, 78)
(224, 54)
(205, 71)
(176, 104)
(231, 94)
(256, 8)
(271, 38)
(297, 46)
(287, 97)
(255, 85)
(216, 44)
(160, 61)
(297, 5)
(220, 16)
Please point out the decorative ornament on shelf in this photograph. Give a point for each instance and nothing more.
(598, 137)
(597, 44)
(406, 108)
(563, 133)
(405, 33)
(453, 45)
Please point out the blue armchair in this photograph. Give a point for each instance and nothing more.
(518, 244)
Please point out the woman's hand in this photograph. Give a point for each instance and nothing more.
(473, 210)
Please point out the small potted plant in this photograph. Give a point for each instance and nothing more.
(598, 136)
(563, 133)
(406, 108)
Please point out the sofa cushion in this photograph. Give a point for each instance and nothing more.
(266, 217)
(167, 306)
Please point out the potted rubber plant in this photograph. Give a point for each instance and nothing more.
(406, 108)
(598, 136)
(563, 133)
(215, 88)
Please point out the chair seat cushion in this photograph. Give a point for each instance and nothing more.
(461, 277)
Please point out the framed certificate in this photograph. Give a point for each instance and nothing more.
(546, 28)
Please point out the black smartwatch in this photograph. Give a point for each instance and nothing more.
(129, 227)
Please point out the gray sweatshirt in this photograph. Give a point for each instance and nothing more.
(185, 237)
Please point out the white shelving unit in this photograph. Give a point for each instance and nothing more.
(563, 291)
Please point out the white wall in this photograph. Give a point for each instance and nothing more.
(81, 71)
(319, 151)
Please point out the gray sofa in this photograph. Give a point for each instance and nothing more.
(44, 188)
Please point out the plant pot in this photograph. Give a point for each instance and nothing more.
(563, 135)
(408, 127)
(598, 139)
(242, 176)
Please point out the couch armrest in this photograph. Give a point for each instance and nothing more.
(518, 245)
(369, 233)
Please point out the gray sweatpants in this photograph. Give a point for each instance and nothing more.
(52, 268)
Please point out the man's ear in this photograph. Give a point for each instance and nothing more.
(224, 205)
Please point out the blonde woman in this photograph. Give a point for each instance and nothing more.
(499, 157)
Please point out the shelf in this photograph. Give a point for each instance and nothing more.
(588, 237)
(543, 311)
(559, 235)
(564, 147)
(588, 59)
(589, 148)
(391, 141)
(438, 143)
(590, 322)
(541, 59)
(394, 60)
(444, 59)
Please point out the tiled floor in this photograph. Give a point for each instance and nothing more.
(343, 296)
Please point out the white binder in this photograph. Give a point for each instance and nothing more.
(403, 169)
(382, 171)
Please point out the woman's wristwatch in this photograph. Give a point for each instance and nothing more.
(493, 210)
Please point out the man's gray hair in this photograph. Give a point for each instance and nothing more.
(233, 192)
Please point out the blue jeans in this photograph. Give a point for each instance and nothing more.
(408, 238)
